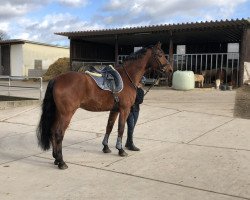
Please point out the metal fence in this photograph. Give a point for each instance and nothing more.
(11, 82)
(223, 66)
(212, 66)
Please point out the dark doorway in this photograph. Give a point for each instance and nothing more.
(5, 60)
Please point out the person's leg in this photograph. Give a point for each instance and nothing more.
(131, 121)
(130, 124)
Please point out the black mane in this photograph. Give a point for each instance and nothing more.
(138, 54)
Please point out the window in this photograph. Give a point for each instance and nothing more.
(181, 49)
(137, 48)
(233, 48)
(38, 64)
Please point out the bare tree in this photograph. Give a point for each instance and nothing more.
(3, 35)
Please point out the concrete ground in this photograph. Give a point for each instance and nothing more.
(191, 148)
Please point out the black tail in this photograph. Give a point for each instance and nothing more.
(47, 118)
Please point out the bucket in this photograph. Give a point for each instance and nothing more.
(229, 87)
(223, 87)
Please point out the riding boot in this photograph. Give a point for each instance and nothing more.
(130, 144)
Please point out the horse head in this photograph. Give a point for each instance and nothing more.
(160, 63)
(159, 60)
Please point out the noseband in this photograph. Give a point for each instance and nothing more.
(156, 56)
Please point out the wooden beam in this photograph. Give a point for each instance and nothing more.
(243, 53)
(171, 49)
(70, 54)
(116, 50)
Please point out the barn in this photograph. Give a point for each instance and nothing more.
(28, 58)
(214, 48)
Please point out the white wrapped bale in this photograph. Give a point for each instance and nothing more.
(183, 80)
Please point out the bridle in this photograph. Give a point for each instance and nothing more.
(160, 66)
(155, 57)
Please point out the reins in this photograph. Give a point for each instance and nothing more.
(129, 77)
(153, 84)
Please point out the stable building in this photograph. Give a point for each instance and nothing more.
(215, 48)
(28, 58)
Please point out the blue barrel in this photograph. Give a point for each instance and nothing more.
(183, 80)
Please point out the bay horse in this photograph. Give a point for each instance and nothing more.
(72, 90)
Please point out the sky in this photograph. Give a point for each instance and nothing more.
(39, 20)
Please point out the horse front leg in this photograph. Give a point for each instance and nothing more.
(121, 125)
(111, 121)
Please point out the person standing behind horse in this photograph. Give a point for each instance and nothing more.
(133, 117)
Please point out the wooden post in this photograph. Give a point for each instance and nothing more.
(70, 54)
(171, 49)
(244, 57)
(116, 50)
(1, 60)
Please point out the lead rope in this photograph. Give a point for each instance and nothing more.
(153, 84)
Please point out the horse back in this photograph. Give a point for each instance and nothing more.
(73, 90)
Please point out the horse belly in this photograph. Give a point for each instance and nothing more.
(95, 106)
(97, 100)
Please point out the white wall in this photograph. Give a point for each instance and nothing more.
(16, 60)
(246, 76)
(48, 55)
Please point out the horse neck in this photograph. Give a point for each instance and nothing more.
(137, 68)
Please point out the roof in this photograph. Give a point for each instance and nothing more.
(160, 28)
(20, 41)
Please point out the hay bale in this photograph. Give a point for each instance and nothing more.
(58, 67)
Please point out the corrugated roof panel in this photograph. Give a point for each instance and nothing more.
(162, 27)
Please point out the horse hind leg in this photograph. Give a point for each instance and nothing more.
(110, 125)
(57, 153)
(57, 138)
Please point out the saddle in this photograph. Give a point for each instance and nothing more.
(107, 78)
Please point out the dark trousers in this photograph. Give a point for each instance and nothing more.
(131, 122)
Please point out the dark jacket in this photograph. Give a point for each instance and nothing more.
(138, 100)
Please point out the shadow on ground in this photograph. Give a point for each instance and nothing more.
(12, 98)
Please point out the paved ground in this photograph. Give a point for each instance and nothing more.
(191, 148)
(242, 102)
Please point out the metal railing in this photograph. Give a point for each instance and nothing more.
(9, 84)
(211, 65)
(121, 58)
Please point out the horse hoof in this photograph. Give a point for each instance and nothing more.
(62, 166)
(122, 153)
(106, 149)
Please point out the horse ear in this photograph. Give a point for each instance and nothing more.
(158, 45)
